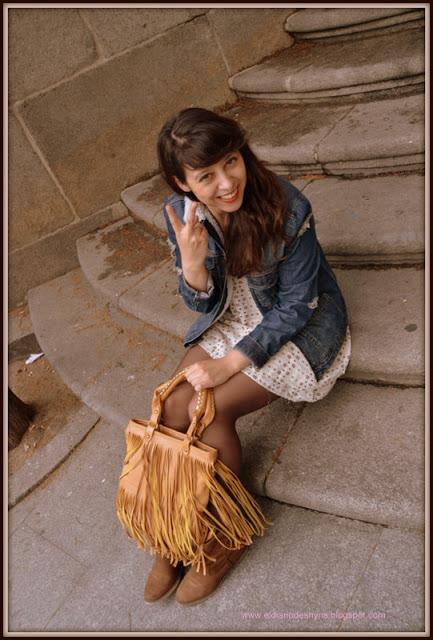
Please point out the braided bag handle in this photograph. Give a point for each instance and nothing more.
(204, 411)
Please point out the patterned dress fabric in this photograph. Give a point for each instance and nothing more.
(288, 373)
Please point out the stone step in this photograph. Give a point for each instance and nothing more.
(114, 369)
(355, 140)
(319, 71)
(346, 213)
(350, 23)
(111, 366)
(372, 220)
(144, 201)
(361, 448)
(385, 307)
(381, 353)
(119, 256)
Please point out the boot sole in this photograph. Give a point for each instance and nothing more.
(167, 594)
(191, 604)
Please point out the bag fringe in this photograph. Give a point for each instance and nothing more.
(171, 521)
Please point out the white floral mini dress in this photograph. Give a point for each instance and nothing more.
(287, 373)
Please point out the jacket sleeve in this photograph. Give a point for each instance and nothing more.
(201, 301)
(297, 299)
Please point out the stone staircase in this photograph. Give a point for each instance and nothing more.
(341, 113)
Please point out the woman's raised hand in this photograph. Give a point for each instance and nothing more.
(192, 237)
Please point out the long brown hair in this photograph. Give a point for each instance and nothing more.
(197, 138)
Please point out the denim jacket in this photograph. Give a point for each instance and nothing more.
(296, 290)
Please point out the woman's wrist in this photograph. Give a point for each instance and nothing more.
(236, 361)
(196, 276)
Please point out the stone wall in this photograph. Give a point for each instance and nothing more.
(88, 92)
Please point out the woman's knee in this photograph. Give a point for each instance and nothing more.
(221, 411)
(175, 407)
(237, 397)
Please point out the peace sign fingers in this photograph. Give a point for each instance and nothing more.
(191, 237)
(175, 222)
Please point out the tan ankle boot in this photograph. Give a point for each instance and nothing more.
(196, 587)
(162, 580)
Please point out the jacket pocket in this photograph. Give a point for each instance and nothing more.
(264, 280)
(264, 289)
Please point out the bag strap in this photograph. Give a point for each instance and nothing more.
(203, 407)
(203, 415)
(208, 415)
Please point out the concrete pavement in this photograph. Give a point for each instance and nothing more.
(72, 567)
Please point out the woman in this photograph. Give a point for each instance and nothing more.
(273, 320)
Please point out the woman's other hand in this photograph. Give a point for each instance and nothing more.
(214, 371)
(192, 237)
(207, 373)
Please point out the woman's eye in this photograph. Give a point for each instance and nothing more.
(232, 160)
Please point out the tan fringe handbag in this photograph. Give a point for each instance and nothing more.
(169, 480)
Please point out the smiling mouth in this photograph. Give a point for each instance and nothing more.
(230, 197)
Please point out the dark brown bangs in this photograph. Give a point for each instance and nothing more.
(198, 158)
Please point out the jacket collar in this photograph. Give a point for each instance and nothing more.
(203, 213)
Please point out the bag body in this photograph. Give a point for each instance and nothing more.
(170, 479)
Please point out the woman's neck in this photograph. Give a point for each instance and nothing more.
(222, 219)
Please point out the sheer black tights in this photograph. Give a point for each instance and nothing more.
(234, 398)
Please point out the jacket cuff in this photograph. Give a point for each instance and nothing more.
(253, 351)
(200, 295)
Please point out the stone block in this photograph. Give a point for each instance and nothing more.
(109, 592)
(119, 29)
(66, 523)
(18, 514)
(156, 300)
(246, 36)
(287, 134)
(382, 129)
(44, 461)
(313, 70)
(357, 453)
(262, 434)
(45, 47)
(145, 201)
(40, 576)
(36, 206)
(53, 255)
(392, 24)
(392, 585)
(342, 138)
(108, 118)
(386, 316)
(113, 369)
(320, 19)
(118, 257)
(149, 359)
(378, 219)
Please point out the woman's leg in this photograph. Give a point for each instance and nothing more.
(163, 577)
(234, 398)
(175, 408)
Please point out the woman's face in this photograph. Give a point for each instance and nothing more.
(219, 186)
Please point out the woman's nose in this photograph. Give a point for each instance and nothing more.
(225, 183)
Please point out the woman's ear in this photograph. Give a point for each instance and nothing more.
(182, 185)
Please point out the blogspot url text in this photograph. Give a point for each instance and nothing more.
(313, 615)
